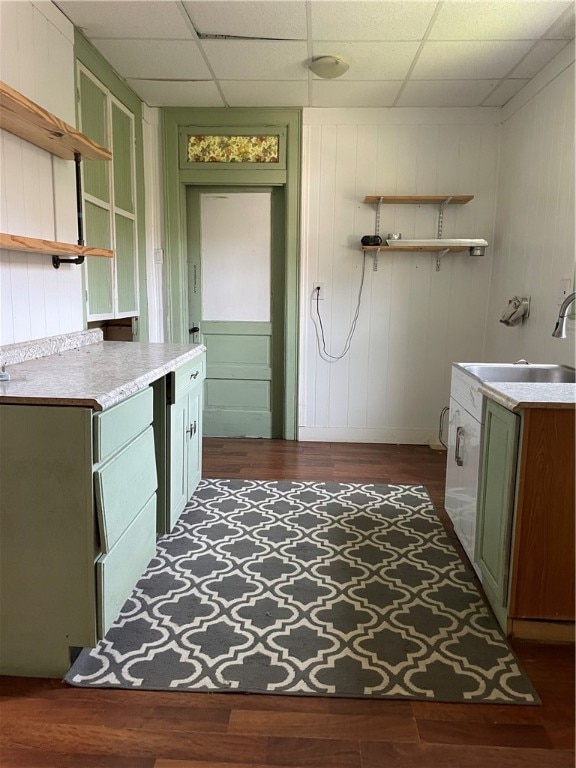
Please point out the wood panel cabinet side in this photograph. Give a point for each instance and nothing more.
(542, 584)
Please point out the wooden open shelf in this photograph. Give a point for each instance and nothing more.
(50, 247)
(22, 117)
(418, 199)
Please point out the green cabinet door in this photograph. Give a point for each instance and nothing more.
(178, 489)
(194, 459)
(496, 507)
(185, 447)
(109, 192)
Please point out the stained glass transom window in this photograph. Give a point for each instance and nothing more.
(233, 149)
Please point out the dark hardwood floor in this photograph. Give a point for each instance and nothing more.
(46, 724)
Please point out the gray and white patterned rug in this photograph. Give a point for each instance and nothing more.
(310, 588)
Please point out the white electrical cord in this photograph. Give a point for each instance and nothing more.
(322, 351)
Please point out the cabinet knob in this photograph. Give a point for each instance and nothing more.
(194, 375)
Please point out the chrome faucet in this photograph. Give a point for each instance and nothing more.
(559, 331)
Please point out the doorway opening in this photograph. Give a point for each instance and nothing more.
(236, 295)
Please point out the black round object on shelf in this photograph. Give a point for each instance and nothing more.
(371, 240)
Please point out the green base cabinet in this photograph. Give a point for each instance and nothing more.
(525, 543)
(78, 526)
(496, 505)
(184, 437)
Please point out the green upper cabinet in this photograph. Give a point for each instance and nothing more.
(94, 125)
(123, 161)
(109, 192)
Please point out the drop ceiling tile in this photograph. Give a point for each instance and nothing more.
(361, 20)
(371, 61)
(280, 19)
(130, 18)
(474, 60)
(445, 93)
(168, 93)
(504, 92)
(564, 28)
(149, 59)
(539, 56)
(339, 93)
(257, 59)
(265, 93)
(496, 20)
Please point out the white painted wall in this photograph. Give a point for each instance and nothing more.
(413, 320)
(37, 190)
(534, 238)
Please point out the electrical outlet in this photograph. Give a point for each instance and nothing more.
(322, 292)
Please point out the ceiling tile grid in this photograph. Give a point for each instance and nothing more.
(255, 53)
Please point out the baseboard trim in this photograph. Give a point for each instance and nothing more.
(366, 435)
(545, 631)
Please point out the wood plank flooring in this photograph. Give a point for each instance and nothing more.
(45, 724)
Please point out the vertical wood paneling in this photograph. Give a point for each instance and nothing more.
(37, 58)
(534, 237)
(413, 321)
(359, 357)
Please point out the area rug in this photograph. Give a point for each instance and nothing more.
(307, 588)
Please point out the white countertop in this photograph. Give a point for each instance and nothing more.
(518, 396)
(97, 375)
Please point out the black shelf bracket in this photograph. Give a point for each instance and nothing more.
(57, 260)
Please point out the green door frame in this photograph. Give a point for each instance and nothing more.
(177, 176)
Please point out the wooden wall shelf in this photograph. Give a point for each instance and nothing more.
(22, 117)
(50, 247)
(26, 119)
(418, 199)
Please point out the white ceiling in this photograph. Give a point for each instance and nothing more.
(255, 53)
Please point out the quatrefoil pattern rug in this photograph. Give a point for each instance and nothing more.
(330, 589)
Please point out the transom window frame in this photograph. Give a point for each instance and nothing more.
(214, 130)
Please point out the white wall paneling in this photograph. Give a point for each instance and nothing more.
(413, 320)
(38, 193)
(534, 245)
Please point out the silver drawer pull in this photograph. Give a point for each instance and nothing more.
(192, 428)
(457, 457)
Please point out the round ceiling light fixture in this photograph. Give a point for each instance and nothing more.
(328, 66)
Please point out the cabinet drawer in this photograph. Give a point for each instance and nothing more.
(123, 486)
(118, 425)
(119, 570)
(187, 376)
(465, 389)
